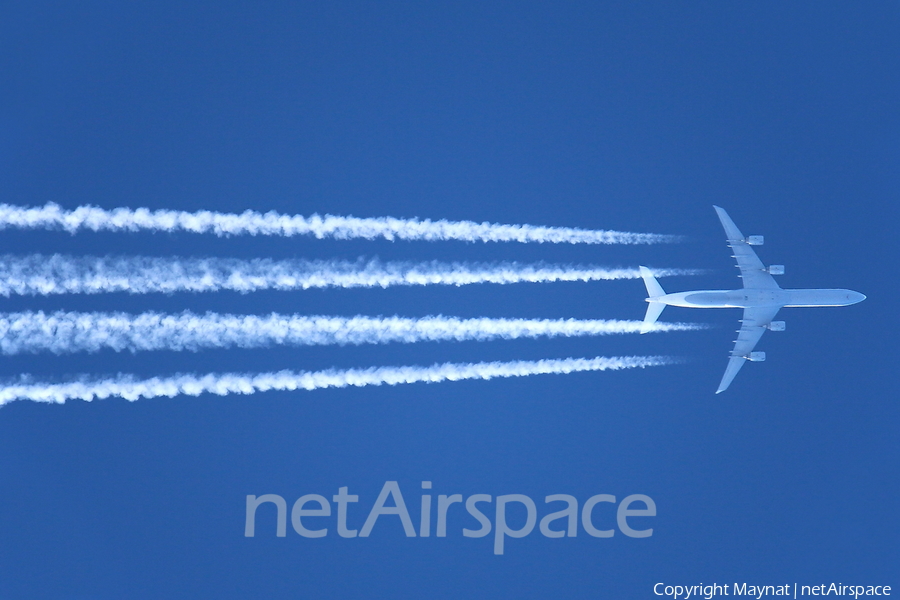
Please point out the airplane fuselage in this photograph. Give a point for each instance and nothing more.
(761, 298)
(749, 298)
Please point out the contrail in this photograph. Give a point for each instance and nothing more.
(38, 274)
(52, 216)
(130, 388)
(67, 332)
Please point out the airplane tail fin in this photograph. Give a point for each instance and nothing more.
(655, 308)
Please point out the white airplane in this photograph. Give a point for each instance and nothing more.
(761, 298)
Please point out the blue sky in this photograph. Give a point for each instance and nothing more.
(591, 115)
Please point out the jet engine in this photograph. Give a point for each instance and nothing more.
(756, 356)
(754, 240)
(775, 326)
(775, 270)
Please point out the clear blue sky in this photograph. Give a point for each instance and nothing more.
(594, 115)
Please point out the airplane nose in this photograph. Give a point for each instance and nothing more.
(857, 297)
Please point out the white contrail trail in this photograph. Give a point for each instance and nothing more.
(52, 216)
(38, 274)
(130, 388)
(66, 332)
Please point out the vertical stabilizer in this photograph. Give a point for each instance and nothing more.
(655, 308)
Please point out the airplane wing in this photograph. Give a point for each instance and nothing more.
(753, 272)
(753, 325)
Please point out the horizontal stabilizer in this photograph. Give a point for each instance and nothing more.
(654, 309)
(654, 290)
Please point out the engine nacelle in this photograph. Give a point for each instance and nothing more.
(754, 240)
(775, 269)
(756, 356)
(776, 326)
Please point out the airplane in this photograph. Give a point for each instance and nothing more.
(761, 298)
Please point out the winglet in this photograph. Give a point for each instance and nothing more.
(655, 308)
(734, 365)
(733, 234)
